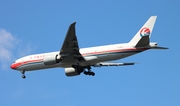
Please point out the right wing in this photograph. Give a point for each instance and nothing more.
(112, 64)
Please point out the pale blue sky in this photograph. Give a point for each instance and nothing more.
(28, 27)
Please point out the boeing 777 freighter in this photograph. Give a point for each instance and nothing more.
(77, 61)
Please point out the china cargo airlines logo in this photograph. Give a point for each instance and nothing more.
(144, 32)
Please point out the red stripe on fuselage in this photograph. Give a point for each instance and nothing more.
(16, 65)
(111, 51)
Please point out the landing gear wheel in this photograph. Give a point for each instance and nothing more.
(23, 76)
(92, 73)
(85, 72)
(89, 73)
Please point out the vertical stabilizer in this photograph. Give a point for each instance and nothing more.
(142, 36)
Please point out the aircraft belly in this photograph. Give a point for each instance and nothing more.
(36, 66)
(111, 57)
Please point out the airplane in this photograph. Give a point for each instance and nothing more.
(77, 60)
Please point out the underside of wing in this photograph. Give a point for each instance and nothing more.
(70, 44)
(70, 48)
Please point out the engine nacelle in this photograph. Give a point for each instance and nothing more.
(72, 71)
(51, 59)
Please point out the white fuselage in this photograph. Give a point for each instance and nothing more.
(100, 53)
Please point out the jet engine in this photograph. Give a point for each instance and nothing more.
(52, 59)
(73, 71)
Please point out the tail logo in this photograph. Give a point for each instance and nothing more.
(145, 32)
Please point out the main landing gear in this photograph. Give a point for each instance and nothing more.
(89, 72)
(23, 74)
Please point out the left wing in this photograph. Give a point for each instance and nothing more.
(112, 64)
(70, 45)
(70, 49)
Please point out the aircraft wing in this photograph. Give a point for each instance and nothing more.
(70, 48)
(112, 64)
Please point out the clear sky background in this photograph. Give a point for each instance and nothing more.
(37, 26)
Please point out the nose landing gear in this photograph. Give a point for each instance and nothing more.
(23, 74)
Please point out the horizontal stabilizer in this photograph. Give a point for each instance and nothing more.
(112, 64)
(157, 47)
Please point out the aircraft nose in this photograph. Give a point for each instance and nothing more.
(13, 66)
